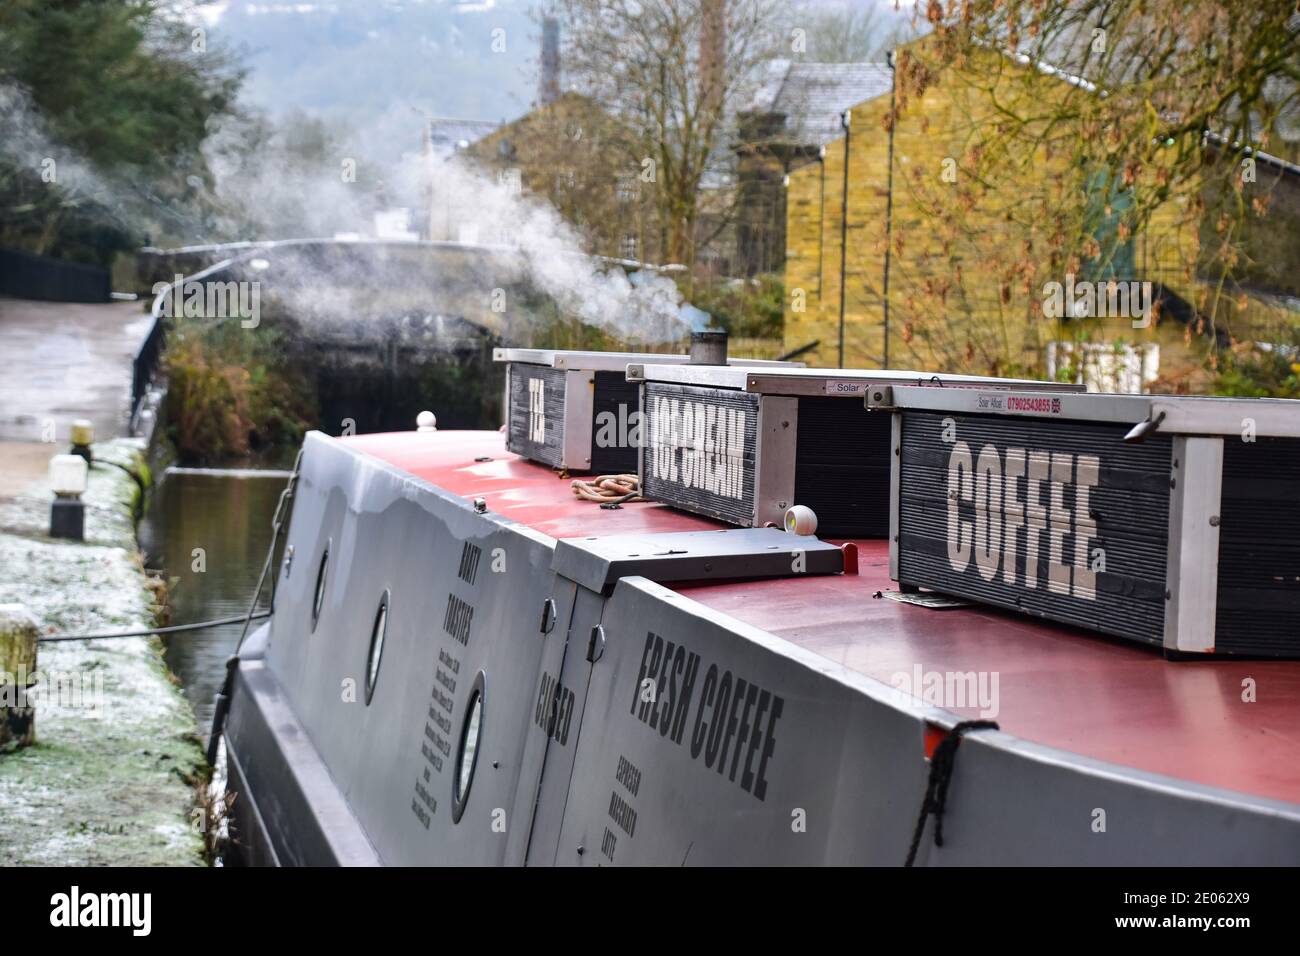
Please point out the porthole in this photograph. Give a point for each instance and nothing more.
(376, 647)
(471, 733)
(318, 596)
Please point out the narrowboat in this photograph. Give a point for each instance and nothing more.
(468, 664)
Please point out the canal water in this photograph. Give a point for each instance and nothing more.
(209, 531)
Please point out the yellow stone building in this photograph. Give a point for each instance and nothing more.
(916, 265)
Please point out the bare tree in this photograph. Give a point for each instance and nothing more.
(854, 33)
(1081, 123)
(675, 72)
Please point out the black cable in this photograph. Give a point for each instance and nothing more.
(172, 629)
(936, 788)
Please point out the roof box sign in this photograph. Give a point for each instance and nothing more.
(576, 410)
(1167, 520)
(745, 445)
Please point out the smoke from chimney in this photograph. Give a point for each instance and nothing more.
(548, 86)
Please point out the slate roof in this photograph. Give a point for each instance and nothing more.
(812, 96)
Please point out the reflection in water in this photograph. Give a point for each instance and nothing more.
(209, 530)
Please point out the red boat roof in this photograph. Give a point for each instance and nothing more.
(1079, 692)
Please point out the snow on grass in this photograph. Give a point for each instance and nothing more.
(110, 778)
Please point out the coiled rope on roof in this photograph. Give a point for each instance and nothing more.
(608, 489)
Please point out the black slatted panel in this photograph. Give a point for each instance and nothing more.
(842, 467)
(1259, 548)
(1129, 503)
(613, 419)
(524, 409)
(699, 452)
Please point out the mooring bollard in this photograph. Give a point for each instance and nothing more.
(83, 435)
(67, 510)
(18, 631)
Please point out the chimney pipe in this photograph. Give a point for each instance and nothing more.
(713, 54)
(548, 87)
(709, 348)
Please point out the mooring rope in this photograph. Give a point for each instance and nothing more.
(936, 789)
(146, 632)
(279, 524)
(608, 489)
(252, 614)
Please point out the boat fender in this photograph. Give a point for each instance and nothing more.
(596, 644)
(548, 616)
(221, 704)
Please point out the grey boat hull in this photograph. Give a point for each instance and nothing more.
(614, 726)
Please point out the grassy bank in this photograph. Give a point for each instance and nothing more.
(235, 396)
(111, 779)
(239, 397)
